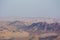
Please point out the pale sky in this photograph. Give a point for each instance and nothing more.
(30, 8)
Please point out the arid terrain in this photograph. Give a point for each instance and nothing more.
(29, 29)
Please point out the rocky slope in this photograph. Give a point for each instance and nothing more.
(30, 29)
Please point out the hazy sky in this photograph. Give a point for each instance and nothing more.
(30, 8)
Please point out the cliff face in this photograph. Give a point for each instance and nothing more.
(28, 29)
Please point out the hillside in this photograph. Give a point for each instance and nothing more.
(30, 29)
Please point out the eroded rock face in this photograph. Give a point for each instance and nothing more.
(17, 29)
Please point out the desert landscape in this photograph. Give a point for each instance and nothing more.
(29, 19)
(30, 29)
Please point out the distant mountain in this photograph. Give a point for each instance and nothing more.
(47, 28)
(17, 24)
(36, 26)
(43, 26)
